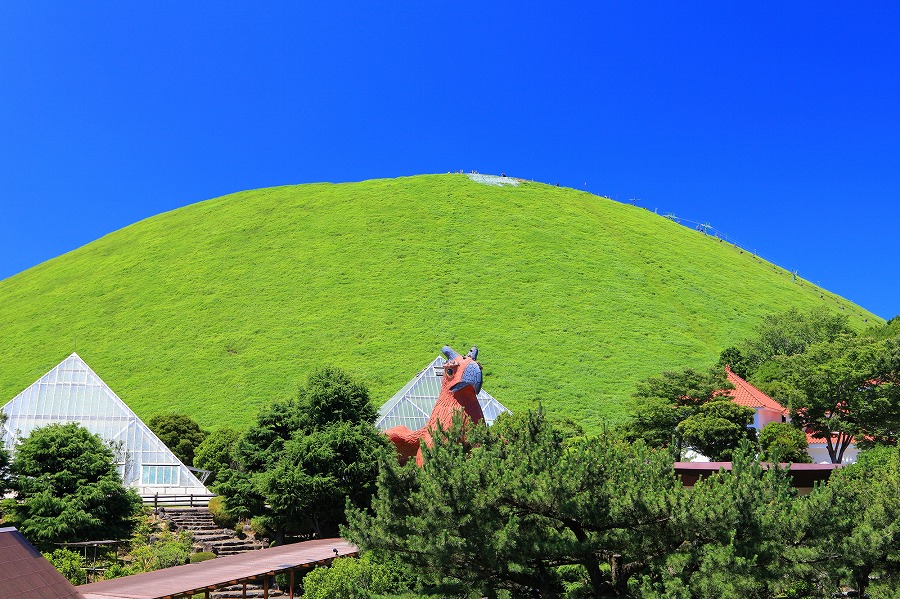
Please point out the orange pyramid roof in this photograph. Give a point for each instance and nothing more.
(745, 394)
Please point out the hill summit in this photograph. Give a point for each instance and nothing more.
(219, 307)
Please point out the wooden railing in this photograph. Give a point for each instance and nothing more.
(157, 500)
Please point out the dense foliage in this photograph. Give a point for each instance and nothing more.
(306, 457)
(216, 452)
(68, 488)
(180, 433)
(783, 442)
(70, 564)
(684, 410)
(356, 578)
(840, 385)
(846, 390)
(522, 511)
(4, 463)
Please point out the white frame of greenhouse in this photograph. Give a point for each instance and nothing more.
(412, 405)
(72, 392)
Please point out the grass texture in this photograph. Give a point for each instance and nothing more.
(222, 306)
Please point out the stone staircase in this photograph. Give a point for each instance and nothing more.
(207, 535)
(221, 541)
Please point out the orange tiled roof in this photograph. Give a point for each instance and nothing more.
(813, 439)
(745, 394)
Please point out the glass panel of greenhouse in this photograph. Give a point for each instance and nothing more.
(411, 406)
(72, 392)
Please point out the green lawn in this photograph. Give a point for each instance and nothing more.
(219, 307)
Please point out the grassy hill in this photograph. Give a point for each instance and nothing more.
(219, 307)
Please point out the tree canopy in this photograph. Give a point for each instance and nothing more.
(68, 488)
(846, 390)
(717, 428)
(682, 410)
(520, 509)
(785, 334)
(305, 457)
(180, 433)
(783, 442)
(216, 452)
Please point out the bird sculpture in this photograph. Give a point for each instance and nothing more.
(460, 385)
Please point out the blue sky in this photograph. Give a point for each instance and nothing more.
(777, 123)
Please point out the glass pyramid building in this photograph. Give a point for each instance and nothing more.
(411, 406)
(72, 392)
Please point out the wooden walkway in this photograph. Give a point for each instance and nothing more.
(251, 567)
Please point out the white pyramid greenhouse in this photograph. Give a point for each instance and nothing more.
(411, 406)
(72, 392)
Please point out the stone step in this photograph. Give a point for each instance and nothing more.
(208, 538)
(231, 542)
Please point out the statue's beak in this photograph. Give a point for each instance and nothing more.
(471, 376)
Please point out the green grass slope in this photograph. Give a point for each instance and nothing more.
(219, 307)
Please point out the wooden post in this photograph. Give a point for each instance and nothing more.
(291, 592)
(244, 591)
(265, 586)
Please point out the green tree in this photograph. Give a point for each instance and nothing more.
(783, 442)
(735, 535)
(216, 452)
(513, 510)
(847, 389)
(5, 482)
(790, 333)
(735, 359)
(848, 531)
(305, 457)
(717, 428)
(68, 488)
(661, 403)
(180, 433)
(523, 511)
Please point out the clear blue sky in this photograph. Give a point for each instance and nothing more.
(777, 123)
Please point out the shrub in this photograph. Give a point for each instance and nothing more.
(356, 578)
(69, 564)
(165, 551)
(202, 556)
(783, 442)
(221, 516)
(259, 529)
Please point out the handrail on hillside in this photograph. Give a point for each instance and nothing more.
(192, 500)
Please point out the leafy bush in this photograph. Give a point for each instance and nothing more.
(202, 556)
(69, 564)
(116, 570)
(220, 515)
(259, 529)
(162, 549)
(355, 578)
(783, 442)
